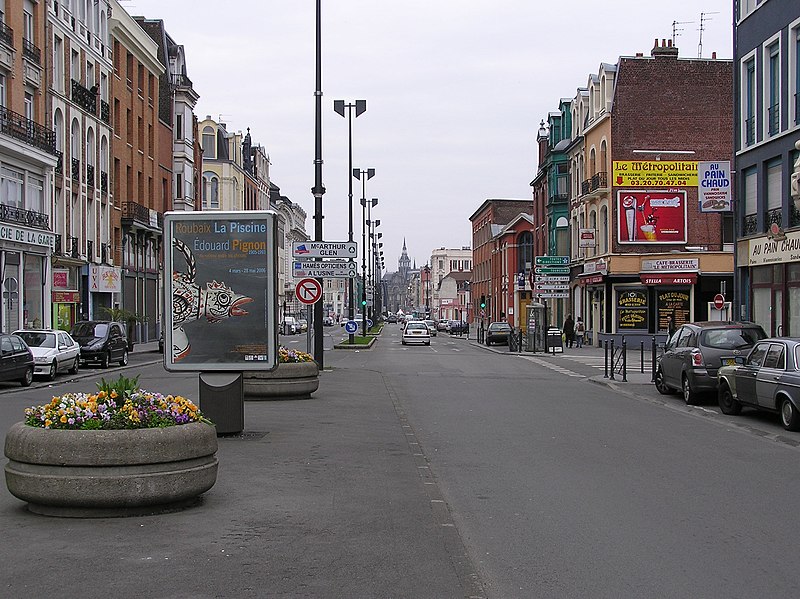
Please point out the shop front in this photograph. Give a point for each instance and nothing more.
(24, 262)
(773, 292)
(591, 289)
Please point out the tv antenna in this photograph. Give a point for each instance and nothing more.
(703, 19)
(676, 29)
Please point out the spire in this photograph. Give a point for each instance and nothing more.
(404, 244)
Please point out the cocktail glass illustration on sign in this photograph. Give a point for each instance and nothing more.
(217, 302)
(629, 205)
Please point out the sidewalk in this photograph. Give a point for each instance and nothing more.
(327, 497)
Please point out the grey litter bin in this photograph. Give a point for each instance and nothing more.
(222, 400)
(555, 343)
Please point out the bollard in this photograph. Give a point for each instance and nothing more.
(605, 359)
(612, 360)
(641, 356)
(624, 360)
(653, 361)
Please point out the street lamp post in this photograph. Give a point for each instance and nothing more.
(427, 270)
(363, 176)
(372, 225)
(360, 106)
(318, 190)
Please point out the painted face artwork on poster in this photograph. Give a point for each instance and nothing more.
(221, 298)
(651, 217)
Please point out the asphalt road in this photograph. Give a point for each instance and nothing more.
(441, 471)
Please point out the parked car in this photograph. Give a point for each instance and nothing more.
(391, 319)
(695, 352)
(441, 325)
(101, 341)
(327, 321)
(53, 351)
(768, 379)
(498, 332)
(458, 326)
(16, 360)
(431, 327)
(303, 325)
(290, 326)
(416, 331)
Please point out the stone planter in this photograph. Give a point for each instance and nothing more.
(288, 381)
(106, 473)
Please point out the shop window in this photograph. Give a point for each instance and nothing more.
(32, 292)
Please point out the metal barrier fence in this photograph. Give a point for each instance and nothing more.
(615, 358)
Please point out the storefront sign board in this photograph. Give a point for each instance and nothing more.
(675, 303)
(672, 279)
(105, 279)
(768, 251)
(714, 186)
(671, 265)
(586, 238)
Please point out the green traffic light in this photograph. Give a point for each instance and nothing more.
(363, 302)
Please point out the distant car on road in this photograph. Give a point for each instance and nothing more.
(431, 327)
(16, 360)
(303, 325)
(327, 321)
(695, 352)
(767, 379)
(498, 332)
(391, 319)
(53, 351)
(416, 331)
(441, 325)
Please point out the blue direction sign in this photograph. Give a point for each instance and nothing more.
(369, 323)
(351, 326)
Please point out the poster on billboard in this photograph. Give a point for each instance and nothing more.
(654, 173)
(650, 217)
(221, 300)
(714, 186)
(586, 238)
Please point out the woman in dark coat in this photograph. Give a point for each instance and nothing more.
(569, 330)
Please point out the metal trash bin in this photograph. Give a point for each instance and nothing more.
(222, 400)
(555, 342)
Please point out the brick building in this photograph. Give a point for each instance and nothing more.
(487, 268)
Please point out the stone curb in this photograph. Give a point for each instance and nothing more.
(356, 346)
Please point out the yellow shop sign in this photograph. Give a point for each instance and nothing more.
(654, 173)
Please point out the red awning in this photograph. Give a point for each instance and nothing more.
(673, 278)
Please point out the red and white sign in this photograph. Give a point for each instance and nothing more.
(308, 291)
(651, 217)
(719, 301)
(688, 278)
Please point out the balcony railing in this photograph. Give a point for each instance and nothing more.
(774, 216)
(30, 218)
(750, 130)
(599, 180)
(31, 52)
(103, 182)
(89, 250)
(58, 249)
(85, 98)
(132, 211)
(750, 225)
(585, 185)
(72, 246)
(76, 170)
(6, 34)
(105, 112)
(180, 80)
(60, 163)
(26, 130)
(773, 118)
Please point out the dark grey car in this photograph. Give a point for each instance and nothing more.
(696, 351)
(767, 379)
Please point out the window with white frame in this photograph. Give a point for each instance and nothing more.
(774, 176)
(58, 64)
(772, 89)
(34, 194)
(28, 105)
(2, 90)
(27, 21)
(209, 150)
(794, 71)
(11, 187)
(748, 102)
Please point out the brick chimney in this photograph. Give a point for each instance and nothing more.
(665, 50)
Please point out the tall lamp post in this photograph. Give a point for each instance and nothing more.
(372, 224)
(318, 190)
(427, 270)
(363, 176)
(360, 106)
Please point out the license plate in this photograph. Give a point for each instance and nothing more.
(729, 361)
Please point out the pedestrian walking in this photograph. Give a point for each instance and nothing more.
(580, 331)
(569, 330)
(670, 327)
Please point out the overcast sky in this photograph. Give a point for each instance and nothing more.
(455, 91)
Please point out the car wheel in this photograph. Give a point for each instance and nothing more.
(124, 360)
(75, 365)
(689, 396)
(105, 360)
(790, 418)
(661, 384)
(53, 370)
(727, 403)
(28, 378)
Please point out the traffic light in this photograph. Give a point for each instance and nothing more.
(363, 302)
(483, 302)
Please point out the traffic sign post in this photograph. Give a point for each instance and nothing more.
(719, 301)
(551, 270)
(551, 260)
(332, 269)
(350, 327)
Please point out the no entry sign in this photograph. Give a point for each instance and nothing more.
(308, 291)
(719, 301)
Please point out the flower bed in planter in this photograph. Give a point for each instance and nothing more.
(64, 463)
(296, 377)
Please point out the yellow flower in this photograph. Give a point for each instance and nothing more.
(114, 395)
(63, 419)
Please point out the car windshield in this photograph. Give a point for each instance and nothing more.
(499, 326)
(731, 338)
(429, 323)
(36, 339)
(90, 329)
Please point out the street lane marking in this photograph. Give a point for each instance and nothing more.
(551, 366)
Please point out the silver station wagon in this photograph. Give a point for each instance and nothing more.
(767, 379)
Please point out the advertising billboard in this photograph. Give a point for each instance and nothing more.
(651, 217)
(221, 298)
(654, 173)
(714, 186)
